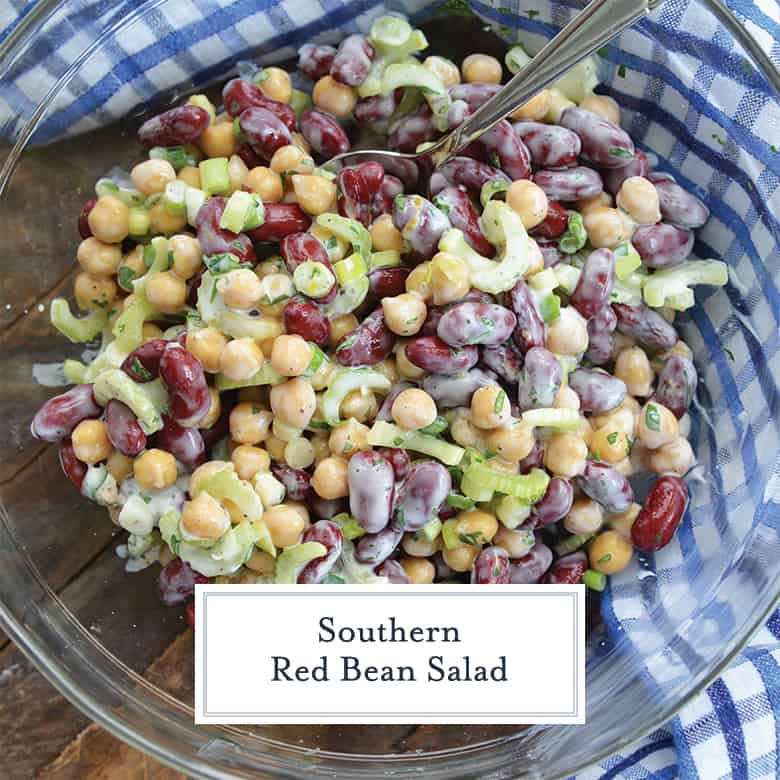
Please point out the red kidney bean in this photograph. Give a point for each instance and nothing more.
(324, 133)
(177, 581)
(601, 336)
(452, 390)
(413, 130)
(457, 113)
(371, 488)
(377, 108)
(540, 379)
(435, 313)
(529, 332)
(456, 205)
(353, 61)
(189, 614)
(296, 482)
(123, 429)
(534, 459)
(491, 567)
(506, 360)
(662, 245)
(389, 190)
(399, 459)
(437, 357)
(603, 143)
(305, 319)
(676, 384)
(420, 495)
(359, 186)
(645, 325)
(385, 410)
(507, 151)
(570, 183)
(599, 391)
(329, 535)
(614, 178)
(215, 240)
(554, 505)
(607, 486)
(464, 172)
(474, 95)
(264, 131)
(476, 323)
(551, 252)
(74, 469)
(325, 509)
(185, 444)
(298, 248)
(388, 282)
(378, 547)
(656, 176)
(532, 567)
(680, 207)
(554, 224)
(183, 375)
(250, 157)
(314, 60)
(567, 570)
(395, 573)
(57, 418)
(240, 94)
(281, 219)
(405, 170)
(594, 286)
(550, 146)
(371, 342)
(181, 125)
(658, 519)
(85, 231)
(420, 222)
(143, 363)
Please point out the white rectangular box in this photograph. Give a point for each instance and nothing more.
(391, 654)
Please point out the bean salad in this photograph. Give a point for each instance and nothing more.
(383, 374)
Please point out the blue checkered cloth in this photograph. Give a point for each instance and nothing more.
(716, 130)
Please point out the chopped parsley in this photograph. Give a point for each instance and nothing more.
(398, 441)
(126, 276)
(729, 354)
(602, 52)
(616, 151)
(653, 418)
(605, 558)
(472, 538)
(147, 499)
(621, 71)
(499, 403)
(612, 438)
(532, 13)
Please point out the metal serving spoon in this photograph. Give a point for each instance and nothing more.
(595, 26)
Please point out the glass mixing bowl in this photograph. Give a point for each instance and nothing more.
(694, 90)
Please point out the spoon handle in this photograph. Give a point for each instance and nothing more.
(596, 25)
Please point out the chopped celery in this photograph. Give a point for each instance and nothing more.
(472, 488)
(173, 199)
(411, 74)
(385, 434)
(148, 400)
(516, 59)
(440, 104)
(128, 195)
(676, 281)
(373, 84)
(228, 555)
(214, 176)
(193, 200)
(138, 221)
(293, 559)
(543, 281)
(389, 32)
(348, 229)
(343, 382)
(350, 268)
(299, 101)
(490, 189)
(350, 527)
(94, 478)
(430, 530)
(128, 329)
(210, 303)
(75, 371)
(680, 302)
(77, 329)
(201, 101)
(449, 534)
(240, 325)
(265, 376)
(513, 512)
(243, 211)
(627, 260)
(572, 543)
(314, 279)
(111, 356)
(560, 419)
(528, 487)
(348, 298)
(176, 155)
(594, 580)
(575, 236)
(628, 290)
(578, 81)
(387, 258)
(459, 502)
(550, 308)
(318, 357)
(558, 104)
(567, 276)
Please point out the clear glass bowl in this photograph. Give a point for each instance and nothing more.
(673, 620)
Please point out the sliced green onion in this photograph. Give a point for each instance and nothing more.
(214, 176)
(175, 155)
(299, 101)
(350, 268)
(550, 307)
(350, 230)
(594, 580)
(348, 525)
(201, 101)
(345, 381)
(173, 199)
(193, 200)
(313, 279)
(627, 260)
(436, 427)
(560, 419)
(243, 211)
(430, 530)
(572, 543)
(222, 263)
(76, 329)
(516, 59)
(387, 258)
(411, 74)
(385, 434)
(567, 276)
(390, 32)
(138, 221)
(575, 236)
(490, 189)
(318, 357)
(459, 502)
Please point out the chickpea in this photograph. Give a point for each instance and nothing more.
(657, 426)
(407, 369)
(633, 367)
(249, 460)
(300, 142)
(321, 448)
(237, 173)
(150, 331)
(385, 235)
(207, 344)
(676, 457)
(586, 430)
(133, 260)
(607, 227)
(187, 257)
(241, 359)
(261, 563)
(419, 281)
(413, 409)
(568, 334)
(290, 159)
(419, 546)
(558, 104)
(603, 105)
(419, 570)
(623, 418)
(285, 432)
(566, 399)
(622, 523)
(109, 220)
(218, 140)
(476, 525)
(249, 424)
(214, 412)
(190, 175)
(204, 517)
(240, 289)
(276, 84)
(565, 455)
(490, 408)
(100, 259)
(445, 69)
(639, 198)
(166, 291)
(299, 453)
(291, 355)
(535, 109)
(276, 448)
(152, 176)
(155, 469)
(162, 222)
(405, 313)
(624, 466)
(94, 292)
(610, 552)
(359, 405)
(529, 201)
(610, 444)
(340, 327)
(294, 402)
(348, 437)
(90, 441)
(203, 473)
(337, 99)
(285, 524)
(330, 478)
(336, 247)
(315, 194)
(585, 517)
(389, 369)
(119, 466)
(481, 69)
(512, 442)
(265, 183)
(463, 432)
(450, 279)
(586, 205)
(321, 377)
(460, 558)
(516, 543)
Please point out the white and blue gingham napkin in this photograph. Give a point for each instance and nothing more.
(730, 730)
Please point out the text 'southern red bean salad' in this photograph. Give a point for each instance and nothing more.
(318, 378)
